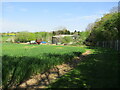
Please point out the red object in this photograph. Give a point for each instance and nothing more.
(38, 41)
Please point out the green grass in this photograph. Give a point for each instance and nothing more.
(35, 50)
(19, 62)
(98, 70)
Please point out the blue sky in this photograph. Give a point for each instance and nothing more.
(49, 16)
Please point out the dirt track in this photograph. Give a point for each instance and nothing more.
(42, 80)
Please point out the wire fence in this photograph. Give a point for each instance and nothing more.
(109, 44)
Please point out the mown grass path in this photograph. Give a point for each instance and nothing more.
(100, 69)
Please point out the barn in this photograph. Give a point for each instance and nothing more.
(56, 38)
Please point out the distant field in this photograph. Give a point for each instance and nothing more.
(18, 59)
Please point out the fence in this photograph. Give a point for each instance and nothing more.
(109, 44)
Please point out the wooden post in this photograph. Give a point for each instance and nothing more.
(103, 43)
(98, 43)
(117, 45)
(110, 44)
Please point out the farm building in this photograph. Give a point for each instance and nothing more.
(56, 39)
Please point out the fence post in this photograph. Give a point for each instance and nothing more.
(117, 44)
(98, 43)
(110, 44)
(103, 43)
(106, 44)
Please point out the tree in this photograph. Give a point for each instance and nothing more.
(53, 33)
(78, 32)
(83, 36)
(61, 32)
(45, 36)
(66, 39)
(24, 36)
(114, 9)
(75, 31)
(105, 29)
(90, 27)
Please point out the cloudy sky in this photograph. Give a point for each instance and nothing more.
(49, 16)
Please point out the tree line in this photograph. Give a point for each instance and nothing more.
(105, 29)
(47, 36)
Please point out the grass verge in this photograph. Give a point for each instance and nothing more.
(100, 69)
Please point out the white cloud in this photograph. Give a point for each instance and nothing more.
(8, 7)
(80, 22)
(82, 18)
(10, 26)
(101, 12)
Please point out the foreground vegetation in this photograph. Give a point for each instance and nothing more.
(22, 61)
(98, 70)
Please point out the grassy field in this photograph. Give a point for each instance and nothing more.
(19, 62)
(4, 38)
(101, 69)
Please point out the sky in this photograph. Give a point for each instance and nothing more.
(51, 16)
